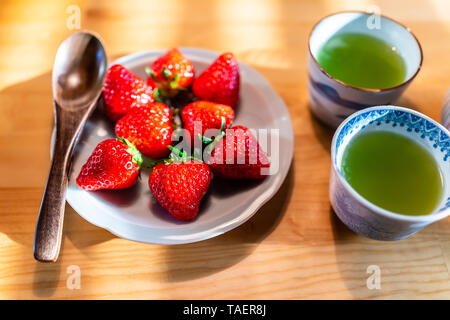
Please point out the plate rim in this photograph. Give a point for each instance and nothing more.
(223, 227)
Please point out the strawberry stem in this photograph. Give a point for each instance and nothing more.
(166, 73)
(222, 126)
(174, 82)
(178, 155)
(148, 71)
(211, 143)
(204, 139)
(207, 140)
(157, 95)
(151, 74)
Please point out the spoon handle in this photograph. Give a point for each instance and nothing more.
(49, 225)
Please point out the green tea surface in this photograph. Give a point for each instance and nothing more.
(362, 61)
(393, 172)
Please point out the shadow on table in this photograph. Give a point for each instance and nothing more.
(340, 231)
(323, 132)
(47, 276)
(15, 107)
(81, 233)
(196, 260)
(26, 200)
(353, 256)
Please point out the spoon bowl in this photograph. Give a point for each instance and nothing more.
(78, 71)
(77, 79)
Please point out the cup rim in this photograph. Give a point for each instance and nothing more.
(431, 217)
(405, 82)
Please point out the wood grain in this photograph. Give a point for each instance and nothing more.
(295, 247)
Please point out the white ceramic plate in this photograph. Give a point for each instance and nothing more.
(135, 215)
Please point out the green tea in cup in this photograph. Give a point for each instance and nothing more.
(393, 172)
(362, 61)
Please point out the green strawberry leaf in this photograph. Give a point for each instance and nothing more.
(180, 156)
(166, 73)
(204, 139)
(150, 73)
(174, 82)
(177, 154)
(157, 95)
(136, 155)
(222, 126)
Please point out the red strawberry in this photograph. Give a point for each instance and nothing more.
(220, 82)
(209, 113)
(179, 187)
(114, 164)
(124, 91)
(148, 128)
(172, 71)
(247, 158)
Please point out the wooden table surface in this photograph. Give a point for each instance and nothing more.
(294, 247)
